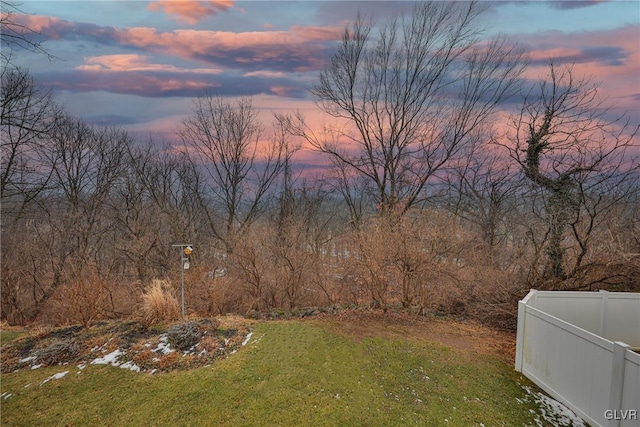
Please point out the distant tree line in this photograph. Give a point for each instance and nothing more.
(434, 200)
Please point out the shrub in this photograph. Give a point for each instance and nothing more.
(84, 299)
(185, 335)
(58, 352)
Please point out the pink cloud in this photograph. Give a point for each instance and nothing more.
(285, 91)
(298, 49)
(609, 57)
(294, 48)
(41, 24)
(134, 62)
(190, 11)
(317, 33)
(132, 83)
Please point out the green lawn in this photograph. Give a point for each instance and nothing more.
(291, 373)
(6, 336)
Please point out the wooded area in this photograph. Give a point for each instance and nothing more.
(434, 199)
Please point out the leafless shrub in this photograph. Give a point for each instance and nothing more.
(184, 336)
(410, 260)
(211, 291)
(84, 299)
(58, 352)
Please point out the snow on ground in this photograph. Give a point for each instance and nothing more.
(163, 346)
(109, 359)
(553, 411)
(246, 340)
(112, 359)
(55, 377)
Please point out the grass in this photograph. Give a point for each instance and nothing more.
(291, 373)
(6, 336)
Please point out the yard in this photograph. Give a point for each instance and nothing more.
(351, 368)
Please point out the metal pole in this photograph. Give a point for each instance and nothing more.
(182, 280)
(185, 249)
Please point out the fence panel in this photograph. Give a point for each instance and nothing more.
(622, 318)
(631, 390)
(597, 379)
(566, 372)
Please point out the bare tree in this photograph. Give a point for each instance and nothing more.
(483, 191)
(409, 98)
(28, 115)
(569, 144)
(86, 162)
(173, 184)
(13, 34)
(239, 168)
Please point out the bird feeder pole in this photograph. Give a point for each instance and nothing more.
(185, 250)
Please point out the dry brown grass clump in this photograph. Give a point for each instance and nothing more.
(159, 304)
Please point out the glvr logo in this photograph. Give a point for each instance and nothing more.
(621, 414)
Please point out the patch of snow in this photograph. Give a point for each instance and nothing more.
(109, 359)
(54, 377)
(82, 366)
(102, 347)
(246, 340)
(112, 359)
(6, 395)
(163, 346)
(27, 359)
(131, 366)
(27, 385)
(553, 411)
(36, 366)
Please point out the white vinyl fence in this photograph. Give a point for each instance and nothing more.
(577, 346)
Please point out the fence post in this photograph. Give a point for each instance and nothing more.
(522, 313)
(604, 307)
(617, 381)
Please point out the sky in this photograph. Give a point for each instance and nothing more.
(140, 64)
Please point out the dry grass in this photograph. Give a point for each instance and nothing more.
(159, 304)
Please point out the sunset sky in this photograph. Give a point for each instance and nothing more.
(139, 64)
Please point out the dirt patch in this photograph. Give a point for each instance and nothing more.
(466, 336)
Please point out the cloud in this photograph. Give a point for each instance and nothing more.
(190, 11)
(111, 120)
(610, 58)
(298, 49)
(575, 4)
(603, 55)
(158, 84)
(609, 55)
(134, 62)
(287, 91)
(131, 83)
